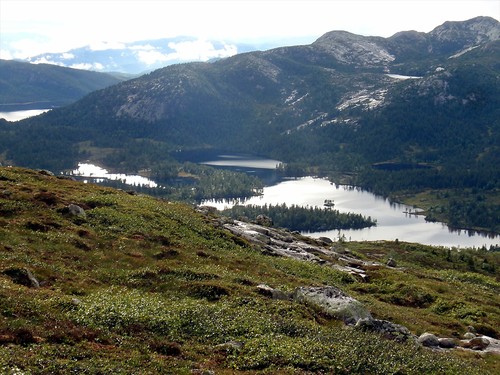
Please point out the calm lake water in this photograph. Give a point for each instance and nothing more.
(97, 174)
(394, 221)
(20, 115)
(263, 168)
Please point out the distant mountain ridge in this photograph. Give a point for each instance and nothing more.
(41, 86)
(147, 55)
(336, 69)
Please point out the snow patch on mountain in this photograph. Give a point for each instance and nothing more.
(318, 120)
(462, 52)
(402, 77)
(292, 99)
(312, 121)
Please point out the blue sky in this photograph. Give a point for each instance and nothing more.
(32, 27)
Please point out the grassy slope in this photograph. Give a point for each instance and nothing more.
(145, 284)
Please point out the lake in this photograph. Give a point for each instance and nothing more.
(20, 115)
(394, 221)
(96, 174)
(263, 168)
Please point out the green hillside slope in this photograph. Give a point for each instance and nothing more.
(29, 86)
(95, 280)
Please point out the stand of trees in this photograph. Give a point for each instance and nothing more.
(306, 219)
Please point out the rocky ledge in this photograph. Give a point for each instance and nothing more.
(281, 242)
(330, 300)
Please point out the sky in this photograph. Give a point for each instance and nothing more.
(33, 27)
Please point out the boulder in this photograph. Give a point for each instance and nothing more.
(267, 291)
(479, 343)
(428, 339)
(385, 328)
(229, 346)
(22, 276)
(332, 302)
(446, 342)
(74, 210)
(391, 262)
(326, 240)
(469, 335)
(264, 220)
(46, 172)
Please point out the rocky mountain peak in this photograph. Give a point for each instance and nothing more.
(474, 31)
(354, 49)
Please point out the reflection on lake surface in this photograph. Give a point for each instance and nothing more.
(98, 174)
(263, 168)
(393, 220)
(20, 115)
(242, 161)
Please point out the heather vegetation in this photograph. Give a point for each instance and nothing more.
(127, 282)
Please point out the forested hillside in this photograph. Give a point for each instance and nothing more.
(40, 86)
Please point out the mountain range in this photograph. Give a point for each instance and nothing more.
(146, 55)
(425, 104)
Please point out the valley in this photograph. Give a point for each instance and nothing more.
(114, 258)
(393, 220)
(337, 108)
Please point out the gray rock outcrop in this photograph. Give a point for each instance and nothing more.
(332, 302)
(391, 262)
(469, 335)
(477, 343)
(75, 210)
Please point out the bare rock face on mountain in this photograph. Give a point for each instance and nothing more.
(354, 49)
(466, 33)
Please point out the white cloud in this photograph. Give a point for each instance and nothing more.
(143, 47)
(88, 66)
(67, 56)
(62, 25)
(83, 66)
(6, 55)
(198, 50)
(101, 46)
(45, 60)
(24, 48)
(151, 57)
